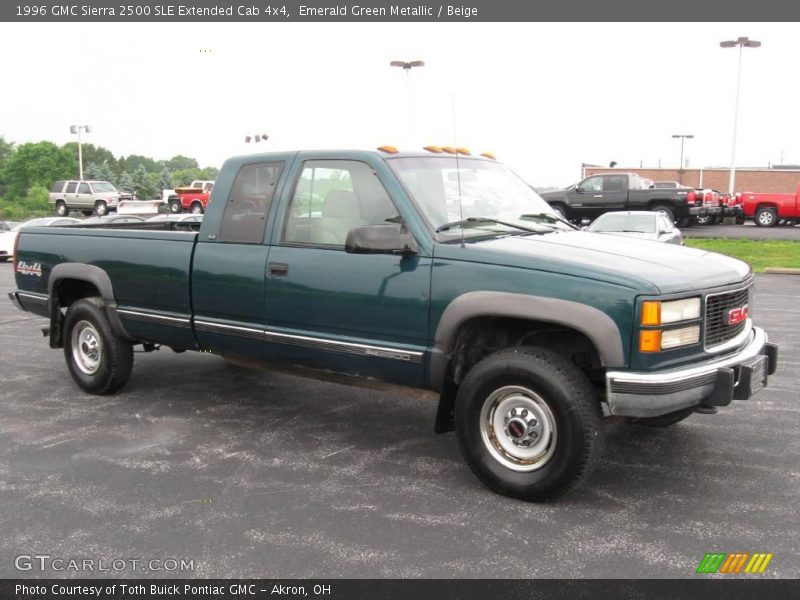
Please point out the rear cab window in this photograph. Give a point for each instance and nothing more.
(248, 203)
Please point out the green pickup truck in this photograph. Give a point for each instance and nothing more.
(430, 270)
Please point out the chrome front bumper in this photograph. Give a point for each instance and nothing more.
(715, 382)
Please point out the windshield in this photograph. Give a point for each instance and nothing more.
(492, 198)
(619, 222)
(103, 186)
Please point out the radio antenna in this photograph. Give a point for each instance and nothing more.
(458, 167)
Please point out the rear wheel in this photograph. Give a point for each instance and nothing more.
(666, 211)
(528, 423)
(196, 208)
(61, 209)
(705, 220)
(175, 207)
(101, 208)
(98, 360)
(684, 222)
(766, 217)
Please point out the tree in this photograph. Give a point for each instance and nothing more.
(141, 184)
(178, 162)
(165, 180)
(90, 171)
(125, 182)
(36, 163)
(104, 172)
(92, 154)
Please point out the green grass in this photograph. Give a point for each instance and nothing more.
(759, 254)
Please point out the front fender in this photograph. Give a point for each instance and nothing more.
(592, 322)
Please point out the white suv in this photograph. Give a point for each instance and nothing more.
(86, 196)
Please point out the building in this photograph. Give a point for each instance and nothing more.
(779, 179)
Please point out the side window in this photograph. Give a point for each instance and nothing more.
(248, 203)
(83, 188)
(614, 183)
(331, 198)
(57, 187)
(71, 187)
(593, 184)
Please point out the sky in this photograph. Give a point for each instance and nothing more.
(543, 97)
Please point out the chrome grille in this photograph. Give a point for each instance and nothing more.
(717, 307)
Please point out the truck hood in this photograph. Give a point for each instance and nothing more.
(651, 267)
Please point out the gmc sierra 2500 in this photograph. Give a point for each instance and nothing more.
(428, 270)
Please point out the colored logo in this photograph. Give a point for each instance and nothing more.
(25, 268)
(737, 315)
(737, 562)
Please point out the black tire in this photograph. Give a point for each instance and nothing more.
(99, 361)
(61, 209)
(663, 420)
(560, 210)
(684, 222)
(175, 207)
(740, 219)
(563, 410)
(766, 217)
(665, 210)
(87, 213)
(101, 208)
(196, 208)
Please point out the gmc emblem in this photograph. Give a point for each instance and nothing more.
(737, 315)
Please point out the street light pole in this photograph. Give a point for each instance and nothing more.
(77, 129)
(741, 42)
(682, 136)
(407, 66)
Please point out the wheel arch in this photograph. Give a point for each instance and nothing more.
(597, 327)
(70, 282)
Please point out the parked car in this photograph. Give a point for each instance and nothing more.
(638, 224)
(606, 192)
(768, 209)
(89, 197)
(527, 329)
(8, 239)
(193, 197)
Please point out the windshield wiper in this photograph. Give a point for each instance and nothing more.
(478, 221)
(549, 217)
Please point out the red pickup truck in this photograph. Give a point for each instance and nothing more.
(193, 197)
(768, 209)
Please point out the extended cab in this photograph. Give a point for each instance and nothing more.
(427, 271)
(769, 209)
(598, 194)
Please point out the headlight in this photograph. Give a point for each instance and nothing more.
(661, 313)
(655, 340)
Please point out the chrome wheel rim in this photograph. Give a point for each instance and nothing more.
(87, 349)
(518, 428)
(765, 218)
(196, 209)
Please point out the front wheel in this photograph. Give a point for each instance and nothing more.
(98, 360)
(197, 208)
(175, 207)
(528, 423)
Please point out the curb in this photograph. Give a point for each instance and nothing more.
(781, 271)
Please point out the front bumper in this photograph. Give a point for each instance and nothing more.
(715, 382)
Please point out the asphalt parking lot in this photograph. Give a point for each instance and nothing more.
(255, 474)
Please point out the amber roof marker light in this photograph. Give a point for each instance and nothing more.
(407, 65)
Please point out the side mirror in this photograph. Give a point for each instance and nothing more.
(380, 239)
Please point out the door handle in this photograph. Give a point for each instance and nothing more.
(598, 195)
(278, 269)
